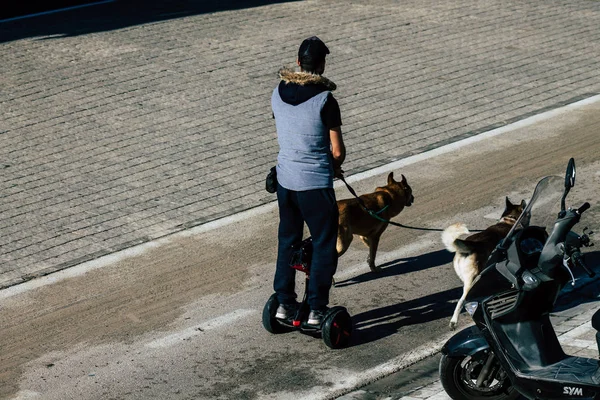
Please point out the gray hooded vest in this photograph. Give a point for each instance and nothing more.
(304, 161)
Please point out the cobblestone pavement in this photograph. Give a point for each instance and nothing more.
(122, 123)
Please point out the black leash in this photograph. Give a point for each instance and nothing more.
(375, 214)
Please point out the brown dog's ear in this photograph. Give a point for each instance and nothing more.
(403, 181)
(523, 204)
(508, 203)
(391, 178)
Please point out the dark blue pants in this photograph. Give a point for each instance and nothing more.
(318, 209)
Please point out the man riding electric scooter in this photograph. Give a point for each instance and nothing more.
(311, 152)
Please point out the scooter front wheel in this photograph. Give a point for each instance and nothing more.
(462, 378)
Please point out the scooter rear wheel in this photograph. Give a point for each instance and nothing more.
(270, 323)
(459, 377)
(336, 328)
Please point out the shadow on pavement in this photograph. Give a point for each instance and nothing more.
(402, 266)
(385, 321)
(109, 16)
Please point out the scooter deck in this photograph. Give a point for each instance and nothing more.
(290, 324)
(577, 370)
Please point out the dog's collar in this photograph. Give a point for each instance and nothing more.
(508, 220)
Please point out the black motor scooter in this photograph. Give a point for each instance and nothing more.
(336, 327)
(513, 349)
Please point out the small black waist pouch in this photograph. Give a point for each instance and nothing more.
(271, 181)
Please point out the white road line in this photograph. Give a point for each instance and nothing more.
(188, 333)
(260, 210)
(55, 11)
(27, 394)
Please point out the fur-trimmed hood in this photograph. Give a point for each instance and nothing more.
(305, 78)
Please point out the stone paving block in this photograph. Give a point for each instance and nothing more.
(428, 391)
(440, 396)
(587, 353)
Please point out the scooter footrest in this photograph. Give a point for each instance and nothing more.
(577, 370)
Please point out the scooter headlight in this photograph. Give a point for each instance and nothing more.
(471, 307)
(530, 281)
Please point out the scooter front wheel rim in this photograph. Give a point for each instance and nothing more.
(471, 370)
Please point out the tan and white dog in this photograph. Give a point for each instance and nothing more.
(472, 253)
(389, 200)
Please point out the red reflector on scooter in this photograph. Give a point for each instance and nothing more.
(296, 323)
(300, 267)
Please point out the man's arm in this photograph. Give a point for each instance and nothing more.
(338, 150)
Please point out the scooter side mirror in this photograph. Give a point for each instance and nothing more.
(570, 174)
(569, 183)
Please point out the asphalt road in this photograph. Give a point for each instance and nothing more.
(179, 318)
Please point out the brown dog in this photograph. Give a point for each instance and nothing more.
(472, 253)
(389, 201)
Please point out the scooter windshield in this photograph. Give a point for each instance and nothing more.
(544, 205)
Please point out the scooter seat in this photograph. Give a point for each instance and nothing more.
(596, 320)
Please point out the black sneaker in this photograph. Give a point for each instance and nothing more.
(286, 311)
(315, 318)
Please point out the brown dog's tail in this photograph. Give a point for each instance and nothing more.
(450, 238)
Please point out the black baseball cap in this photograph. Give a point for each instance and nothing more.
(312, 49)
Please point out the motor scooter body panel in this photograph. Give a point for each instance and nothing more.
(564, 384)
(489, 283)
(467, 342)
(529, 347)
(523, 328)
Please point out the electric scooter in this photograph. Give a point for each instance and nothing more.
(513, 349)
(336, 326)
